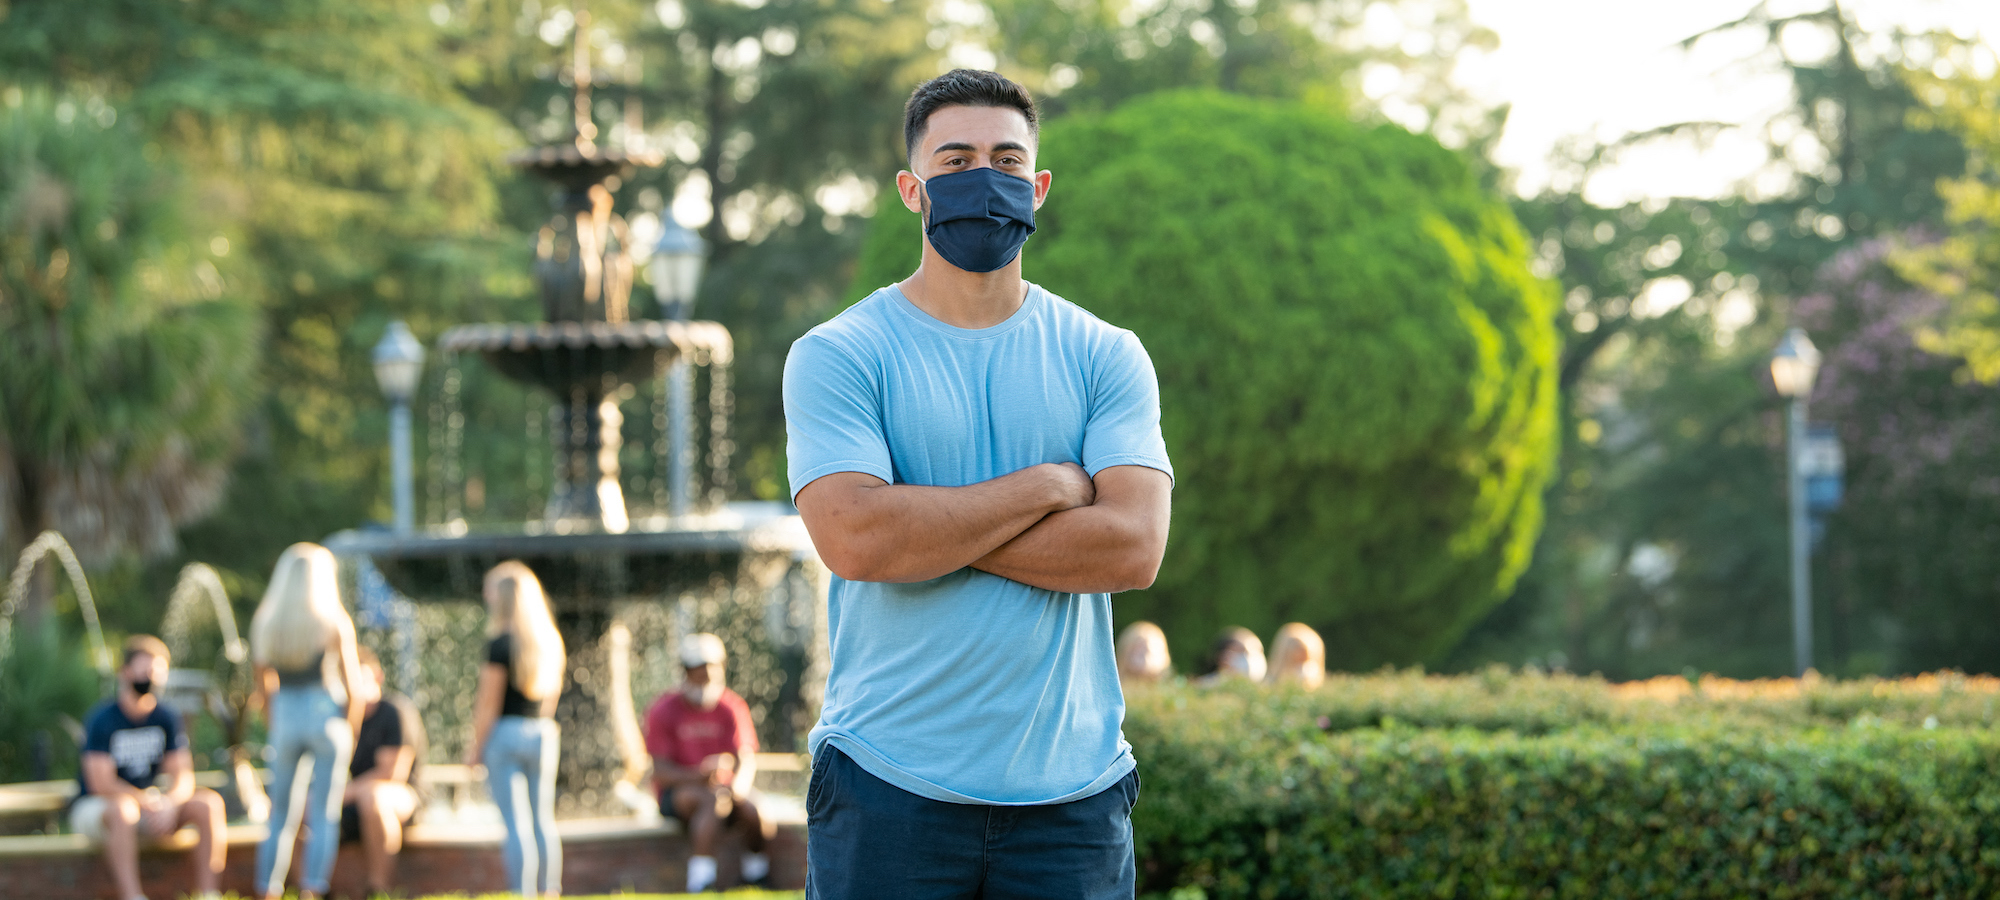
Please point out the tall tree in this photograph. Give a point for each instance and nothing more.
(124, 345)
(1964, 266)
(356, 184)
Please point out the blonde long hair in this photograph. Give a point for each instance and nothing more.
(515, 605)
(300, 615)
(1298, 655)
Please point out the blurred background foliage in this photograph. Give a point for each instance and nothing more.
(296, 174)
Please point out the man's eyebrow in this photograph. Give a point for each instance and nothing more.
(1001, 147)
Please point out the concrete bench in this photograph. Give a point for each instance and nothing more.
(444, 852)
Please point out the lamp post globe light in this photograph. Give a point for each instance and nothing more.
(399, 365)
(1794, 367)
(675, 270)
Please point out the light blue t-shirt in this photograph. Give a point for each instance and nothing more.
(971, 688)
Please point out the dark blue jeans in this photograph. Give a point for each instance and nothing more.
(867, 839)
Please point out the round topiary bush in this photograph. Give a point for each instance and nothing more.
(1357, 368)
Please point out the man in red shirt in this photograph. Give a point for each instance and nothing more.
(704, 750)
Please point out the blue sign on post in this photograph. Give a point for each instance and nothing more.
(1823, 464)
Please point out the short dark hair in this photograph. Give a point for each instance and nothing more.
(147, 644)
(963, 87)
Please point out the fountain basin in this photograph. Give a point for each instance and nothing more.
(575, 565)
(565, 355)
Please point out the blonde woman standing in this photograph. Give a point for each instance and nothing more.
(512, 732)
(302, 645)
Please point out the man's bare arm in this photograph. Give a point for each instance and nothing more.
(869, 530)
(178, 767)
(100, 775)
(1114, 544)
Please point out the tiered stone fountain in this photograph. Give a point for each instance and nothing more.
(717, 563)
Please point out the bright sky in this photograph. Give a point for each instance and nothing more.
(1601, 69)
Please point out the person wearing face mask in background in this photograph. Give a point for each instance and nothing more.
(130, 742)
(979, 462)
(1237, 655)
(704, 749)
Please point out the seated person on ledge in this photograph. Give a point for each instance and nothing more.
(381, 799)
(130, 742)
(704, 751)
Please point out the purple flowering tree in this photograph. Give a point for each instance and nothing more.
(1911, 566)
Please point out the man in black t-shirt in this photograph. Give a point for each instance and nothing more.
(381, 797)
(131, 742)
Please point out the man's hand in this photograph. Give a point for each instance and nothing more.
(1113, 544)
(1073, 486)
(157, 813)
(718, 769)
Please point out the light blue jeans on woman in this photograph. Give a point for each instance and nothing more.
(521, 774)
(309, 731)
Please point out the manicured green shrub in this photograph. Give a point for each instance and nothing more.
(1357, 368)
(1247, 795)
(45, 677)
(1532, 702)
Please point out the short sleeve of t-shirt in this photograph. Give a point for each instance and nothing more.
(831, 422)
(382, 728)
(660, 728)
(97, 734)
(1123, 428)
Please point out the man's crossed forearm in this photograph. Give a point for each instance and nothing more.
(1050, 526)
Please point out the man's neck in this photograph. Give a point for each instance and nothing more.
(964, 299)
(136, 706)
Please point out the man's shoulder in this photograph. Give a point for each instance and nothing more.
(399, 706)
(1076, 322)
(664, 707)
(104, 716)
(867, 318)
(734, 701)
(164, 713)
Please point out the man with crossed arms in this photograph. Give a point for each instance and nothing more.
(979, 462)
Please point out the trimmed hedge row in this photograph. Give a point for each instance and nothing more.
(1248, 795)
(1531, 702)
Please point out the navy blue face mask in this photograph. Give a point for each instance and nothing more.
(979, 218)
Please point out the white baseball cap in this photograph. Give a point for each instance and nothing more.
(702, 650)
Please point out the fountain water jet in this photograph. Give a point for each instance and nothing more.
(224, 694)
(46, 544)
(198, 580)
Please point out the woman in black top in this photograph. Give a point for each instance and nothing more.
(513, 734)
(302, 644)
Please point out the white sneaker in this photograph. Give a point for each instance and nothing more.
(701, 873)
(755, 867)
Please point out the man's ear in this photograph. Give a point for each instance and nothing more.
(911, 190)
(1042, 180)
